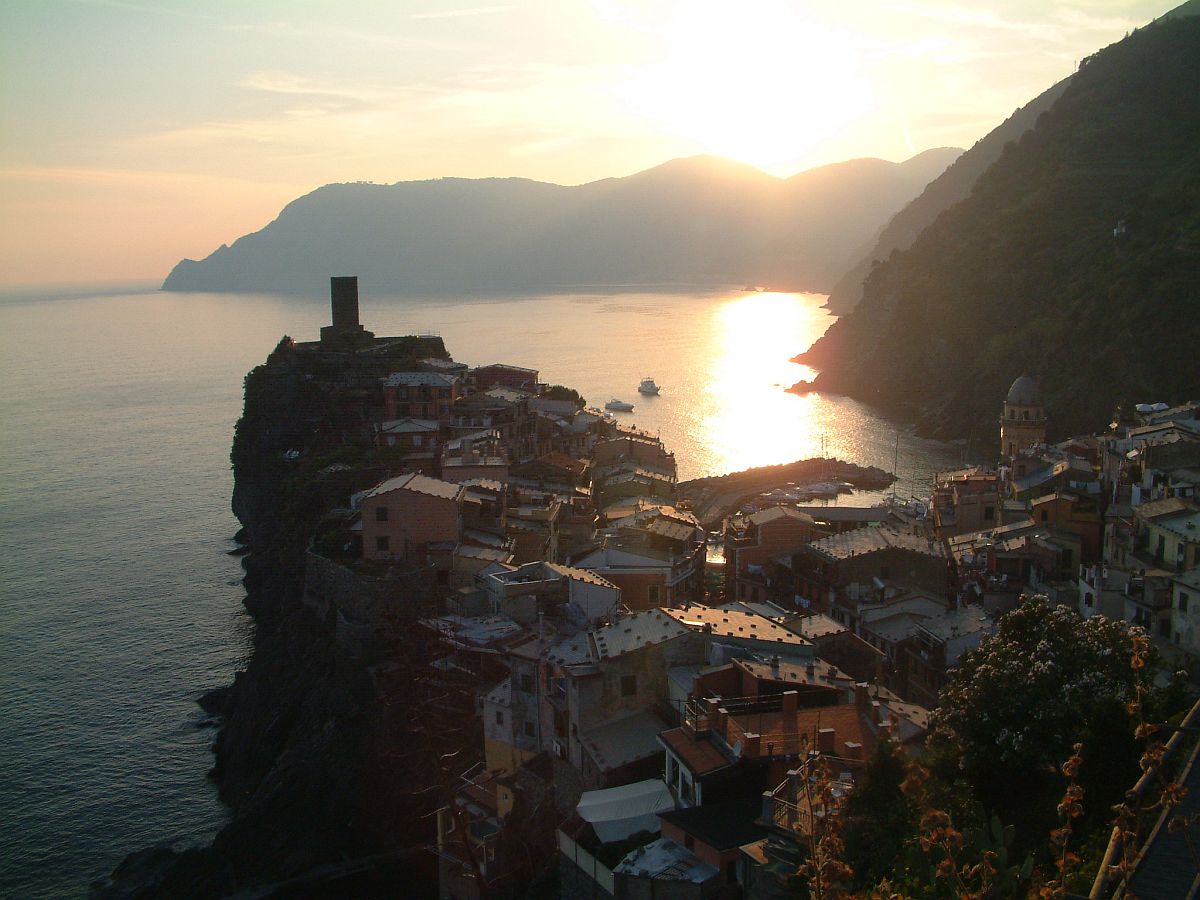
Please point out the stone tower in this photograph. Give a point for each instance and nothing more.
(1023, 421)
(345, 333)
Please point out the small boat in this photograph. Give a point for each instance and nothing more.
(619, 405)
(648, 386)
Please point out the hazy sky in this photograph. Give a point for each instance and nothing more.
(136, 132)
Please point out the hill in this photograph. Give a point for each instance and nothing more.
(949, 188)
(1076, 258)
(701, 220)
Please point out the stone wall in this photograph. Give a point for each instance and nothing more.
(368, 611)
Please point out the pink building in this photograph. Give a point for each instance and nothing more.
(412, 518)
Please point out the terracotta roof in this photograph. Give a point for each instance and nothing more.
(421, 484)
(699, 755)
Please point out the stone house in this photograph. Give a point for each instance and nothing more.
(869, 557)
(753, 540)
(420, 395)
(412, 518)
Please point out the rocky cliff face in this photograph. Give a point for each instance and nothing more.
(328, 763)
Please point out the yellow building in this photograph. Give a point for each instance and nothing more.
(1023, 422)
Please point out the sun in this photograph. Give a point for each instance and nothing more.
(751, 81)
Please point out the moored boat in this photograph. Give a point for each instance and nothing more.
(618, 405)
(648, 386)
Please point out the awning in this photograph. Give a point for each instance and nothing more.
(616, 813)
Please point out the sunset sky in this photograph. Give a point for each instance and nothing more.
(133, 134)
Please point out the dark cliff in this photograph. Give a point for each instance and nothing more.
(1076, 259)
(690, 221)
(329, 762)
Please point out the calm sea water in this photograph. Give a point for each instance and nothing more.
(119, 604)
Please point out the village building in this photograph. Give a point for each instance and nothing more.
(525, 592)
(413, 519)
(928, 657)
(852, 564)
(479, 455)
(730, 634)
(1076, 513)
(415, 441)
(836, 519)
(1185, 614)
(606, 695)
(484, 378)
(966, 500)
(753, 541)
(420, 395)
(1023, 418)
(732, 748)
(656, 554)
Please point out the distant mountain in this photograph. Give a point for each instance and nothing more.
(701, 220)
(1076, 258)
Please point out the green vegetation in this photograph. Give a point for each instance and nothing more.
(1075, 259)
(562, 392)
(1040, 733)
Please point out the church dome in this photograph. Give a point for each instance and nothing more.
(1024, 392)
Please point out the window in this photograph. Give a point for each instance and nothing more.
(416, 440)
(1183, 601)
(499, 717)
(383, 543)
(528, 729)
(653, 593)
(381, 514)
(1045, 515)
(628, 685)
(989, 514)
(526, 683)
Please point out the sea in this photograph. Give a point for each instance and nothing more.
(120, 603)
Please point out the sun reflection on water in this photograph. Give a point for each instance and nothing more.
(751, 421)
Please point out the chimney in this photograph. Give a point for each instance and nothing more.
(826, 740)
(751, 746)
(853, 750)
(861, 695)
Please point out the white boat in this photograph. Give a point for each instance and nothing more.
(648, 386)
(619, 405)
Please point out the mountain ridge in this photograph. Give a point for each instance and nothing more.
(693, 220)
(1075, 259)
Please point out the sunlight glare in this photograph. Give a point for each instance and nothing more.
(752, 82)
(753, 421)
